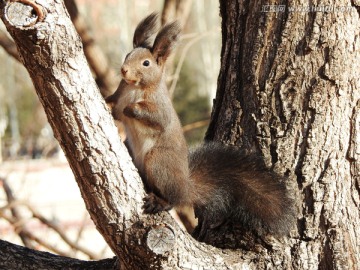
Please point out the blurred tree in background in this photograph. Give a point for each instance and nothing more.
(191, 105)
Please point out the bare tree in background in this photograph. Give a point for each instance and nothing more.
(283, 91)
(104, 74)
(176, 9)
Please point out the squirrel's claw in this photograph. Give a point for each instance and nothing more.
(154, 204)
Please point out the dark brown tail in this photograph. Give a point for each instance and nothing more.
(230, 185)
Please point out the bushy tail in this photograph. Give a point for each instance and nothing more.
(230, 185)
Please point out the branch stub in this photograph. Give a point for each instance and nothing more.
(20, 15)
(161, 239)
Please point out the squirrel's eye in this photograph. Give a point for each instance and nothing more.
(146, 63)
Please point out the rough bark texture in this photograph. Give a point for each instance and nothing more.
(17, 257)
(289, 90)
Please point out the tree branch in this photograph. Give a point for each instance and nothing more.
(25, 233)
(62, 234)
(15, 213)
(17, 257)
(19, 223)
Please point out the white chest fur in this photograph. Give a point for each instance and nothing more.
(140, 138)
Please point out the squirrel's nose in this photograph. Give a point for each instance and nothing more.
(123, 71)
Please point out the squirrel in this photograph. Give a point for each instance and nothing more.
(220, 182)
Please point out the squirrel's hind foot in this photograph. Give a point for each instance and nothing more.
(200, 232)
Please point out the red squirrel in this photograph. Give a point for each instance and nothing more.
(220, 182)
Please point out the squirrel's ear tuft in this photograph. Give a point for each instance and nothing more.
(165, 41)
(145, 29)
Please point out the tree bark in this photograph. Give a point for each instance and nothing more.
(18, 257)
(288, 89)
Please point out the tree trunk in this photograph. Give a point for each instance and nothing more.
(289, 90)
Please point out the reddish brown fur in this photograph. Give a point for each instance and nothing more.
(221, 183)
(150, 107)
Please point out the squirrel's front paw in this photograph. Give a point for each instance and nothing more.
(153, 204)
(131, 110)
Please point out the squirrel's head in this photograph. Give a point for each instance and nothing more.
(144, 65)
